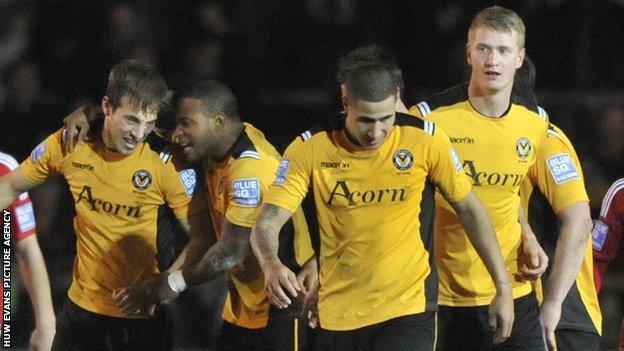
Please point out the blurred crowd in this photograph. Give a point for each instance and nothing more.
(279, 57)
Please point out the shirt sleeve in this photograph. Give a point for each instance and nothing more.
(22, 214)
(179, 182)
(293, 176)
(248, 181)
(609, 228)
(44, 160)
(557, 173)
(445, 168)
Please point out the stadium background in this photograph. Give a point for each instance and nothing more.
(279, 57)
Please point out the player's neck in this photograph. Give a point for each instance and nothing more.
(230, 139)
(489, 103)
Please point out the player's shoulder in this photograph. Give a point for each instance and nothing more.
(161, 148)
(449, 97)
(614, 198)
(322, 129)
(7, 162)
(410, 122)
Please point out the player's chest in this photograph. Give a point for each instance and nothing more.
(384, 178)
(112, 187)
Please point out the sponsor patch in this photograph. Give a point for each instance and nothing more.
(246, 192)
(599, 234)
(562, 168)
(403, 160)
(523, 148)
(456, 162)
(141, 179)
(25, 217)
(282, 170)
(188, 177)
(36, 154)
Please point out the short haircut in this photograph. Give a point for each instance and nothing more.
(138, 81)
(366, 55)
(215, 98)
(523, 91)
(372, 83)
(500, 19)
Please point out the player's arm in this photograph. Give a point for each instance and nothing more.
(481, 234)
(265, 244)
(35, 277)
(533, 259)
(576, 224)
(11, 185)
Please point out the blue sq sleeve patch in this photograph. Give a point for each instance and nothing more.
(246, 192)
(599, 234)
(562, 168)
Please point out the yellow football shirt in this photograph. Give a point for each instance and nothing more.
(496, 154)
(236, 188)
(555, 182)
(116, 200)
(375, 214)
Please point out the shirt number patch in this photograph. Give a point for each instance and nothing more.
(282, 170)
(562, 168)
(189, 180)
(36, 154)
(246, 192)
(599, 234)
(25, 217)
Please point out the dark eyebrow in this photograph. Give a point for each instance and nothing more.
(367, 119)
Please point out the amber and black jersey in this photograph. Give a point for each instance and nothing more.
(117, 200)
(496, 154)
(555, 182)
(236, 188)
(375, 215)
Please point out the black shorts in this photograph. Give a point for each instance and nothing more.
(285, 331)
(467, 328)
(413, 332)
(78, 329)
(571, 340)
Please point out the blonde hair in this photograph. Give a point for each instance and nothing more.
(500, 19)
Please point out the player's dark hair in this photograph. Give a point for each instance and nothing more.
(373, 83)
(366, 55)
(215, 98)
(140, 82)
(523, 91)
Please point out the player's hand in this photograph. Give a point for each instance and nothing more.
(136, 300)
(308, 276)
(278, 277)
(42, 337)
(309, 309)
(76, 128)
(501, 314)
(161, 291)
(532, 261)
(550, 313)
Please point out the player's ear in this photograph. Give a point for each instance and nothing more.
(107, 108)
(520, 59)
(218, 121)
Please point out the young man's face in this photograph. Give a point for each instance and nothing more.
(126, 126)
(195, 132)
(369, 123)
(494, 57)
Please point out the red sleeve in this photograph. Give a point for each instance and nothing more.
(608, 231)
(22, 215)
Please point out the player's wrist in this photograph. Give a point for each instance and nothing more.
(503, 285)
(176, 281)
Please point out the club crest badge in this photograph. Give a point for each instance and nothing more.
(141, 179)
(523, 148)
(403, 160)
